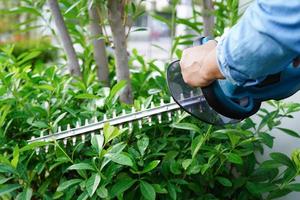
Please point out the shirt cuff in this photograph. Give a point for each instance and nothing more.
(229, 72)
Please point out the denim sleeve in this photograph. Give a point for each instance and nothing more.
(263, 42)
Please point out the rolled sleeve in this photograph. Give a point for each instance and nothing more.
(258, 44)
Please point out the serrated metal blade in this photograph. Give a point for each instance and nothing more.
(191, 99)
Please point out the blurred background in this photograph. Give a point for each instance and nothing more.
(29, 24)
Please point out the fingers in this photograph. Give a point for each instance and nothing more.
(195, 76)
(196, 53)
(199, 66)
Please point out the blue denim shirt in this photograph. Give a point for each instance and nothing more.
(263, 42)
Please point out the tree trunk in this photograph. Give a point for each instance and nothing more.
(115, 18)
(208, 17)
(65, 38)
(99, 44)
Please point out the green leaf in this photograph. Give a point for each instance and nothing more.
(29, 56)
(282, 158)
(33, 145)
(278, 193)
(159, 189)
(110, 132)
(120, 158)
(72, 7)
(270, 164)
(186, 163)
(92, 184)
(267, 139)
(290, 132)
(294, 187)
(24, 9)
(121, 186)
(266, 119)
(81, 166)
(189, 24)
(83, 196)
(69, 194)
(143, 144)
(162, 19)
(60, 117)
(39, 124)
(234, 158)
(235, 132)
(172, 191)
(102, 192)
(289, 174)
(234, 139)
(4, 160)
(296, 158)
(86, 96)
(150, 166)
(6, 189)
(25, 195)
(293, 107)
(197, 144)
(66, 184)
(147, 190)
(57, 195)
(97, 142)
(46, 87)
(115, 92)
(4, 179)
(61, 154)
(4, 168)
(175, 167)
(178, 53)
(224, 181)
(186, 126)
(117, 148)
(260, 188)
(5, 109)
(15, 160)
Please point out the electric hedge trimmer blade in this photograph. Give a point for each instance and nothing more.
(191, 99)
(79, 133)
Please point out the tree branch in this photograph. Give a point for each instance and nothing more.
(65, 38)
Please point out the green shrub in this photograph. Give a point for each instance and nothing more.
(184, 159)
(47, 52)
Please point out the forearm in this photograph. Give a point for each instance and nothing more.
(264, 42)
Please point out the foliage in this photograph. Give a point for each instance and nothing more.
(227, 14)
(182, 159)
(47, 52)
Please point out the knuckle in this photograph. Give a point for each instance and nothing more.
(185, 78)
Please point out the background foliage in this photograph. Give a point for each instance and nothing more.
(182, 159)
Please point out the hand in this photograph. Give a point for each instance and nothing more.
(199, 65)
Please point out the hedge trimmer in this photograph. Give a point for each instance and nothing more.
(220, 103)
(116, 120)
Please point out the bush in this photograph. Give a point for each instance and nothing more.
(184, 159)
(47, 52)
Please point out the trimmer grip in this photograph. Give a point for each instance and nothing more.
(220, 102)
(234, 108)
(239, 102)
(277, 86)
